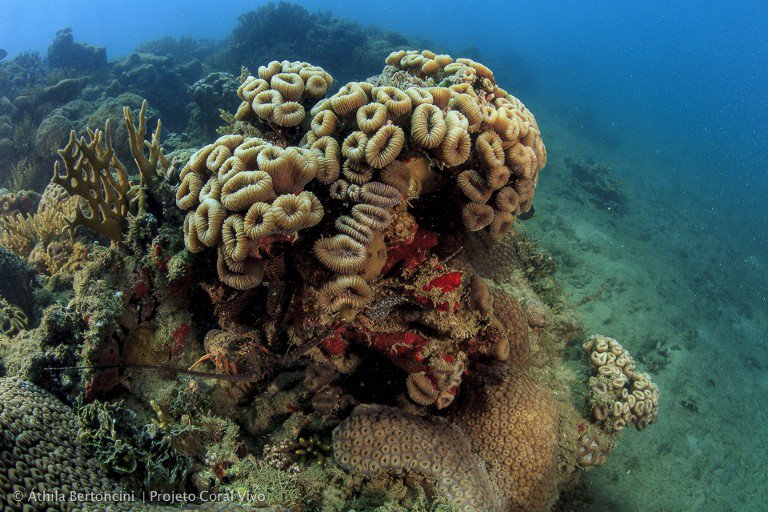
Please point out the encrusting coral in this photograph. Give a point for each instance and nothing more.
(38, 448)
(42, 458)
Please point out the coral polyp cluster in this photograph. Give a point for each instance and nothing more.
(620, 395)
(376, 439)
(346, 177)
(38, 448)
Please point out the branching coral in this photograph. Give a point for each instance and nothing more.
(93, 172)
(17, 234)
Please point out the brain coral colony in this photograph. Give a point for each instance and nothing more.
(329, 307)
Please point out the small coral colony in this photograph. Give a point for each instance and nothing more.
(333, 299)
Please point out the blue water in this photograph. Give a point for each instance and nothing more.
(678, 88)
(686, 79)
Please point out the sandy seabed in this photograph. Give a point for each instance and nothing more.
(677, 288)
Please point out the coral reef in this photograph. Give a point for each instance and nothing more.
(619, 395)
(65, 53)
(253, 195)
(336, 281)
(319, 37)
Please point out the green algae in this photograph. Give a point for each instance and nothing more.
(140, 456)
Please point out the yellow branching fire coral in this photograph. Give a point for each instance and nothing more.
(620, 396)
(88, 174)
(93, 173)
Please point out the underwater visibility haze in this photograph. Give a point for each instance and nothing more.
(401, 256)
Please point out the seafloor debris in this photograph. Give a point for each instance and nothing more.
(336, 271)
